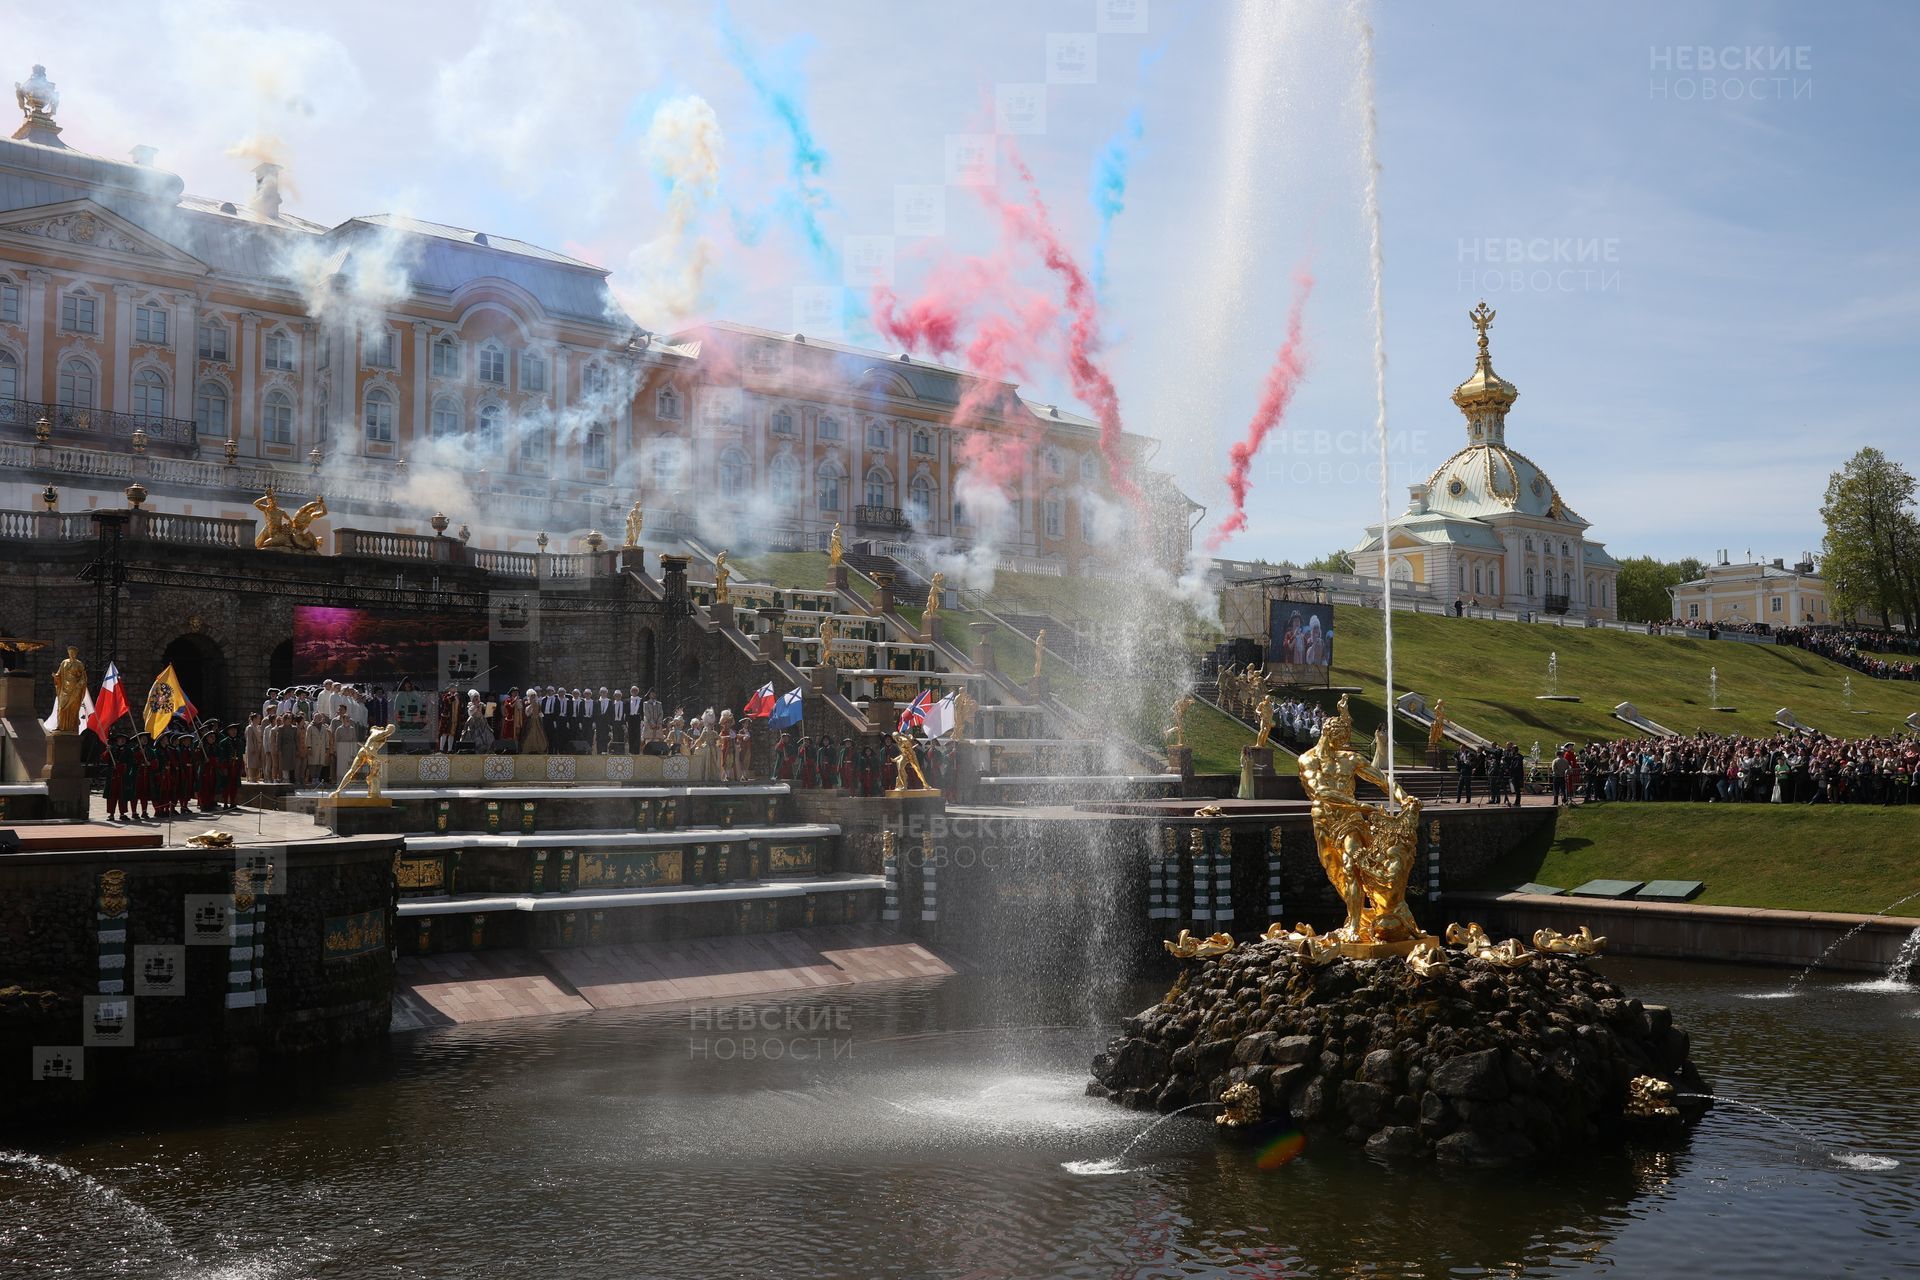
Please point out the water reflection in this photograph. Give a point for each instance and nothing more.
(928, 1139)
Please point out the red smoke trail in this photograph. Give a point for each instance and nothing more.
(1282, 380)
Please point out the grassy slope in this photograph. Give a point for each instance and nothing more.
(1791, 857)
(1490, 672)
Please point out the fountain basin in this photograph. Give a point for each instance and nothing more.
(1476, 1064)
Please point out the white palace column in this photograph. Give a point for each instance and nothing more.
(420, 380)
(244, 411)
(38, 322)
(186, 344)
(122, 347)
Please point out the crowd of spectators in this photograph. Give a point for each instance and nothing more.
(1240, 690)
(1786, 768)
(1860, 649)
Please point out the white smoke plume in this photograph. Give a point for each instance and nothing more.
(664, 281)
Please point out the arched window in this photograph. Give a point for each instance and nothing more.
(1563, 549)
(783, 422)
(446, 418)
(667, 404)
(492, 427)
(210, 410)
(1055, 514)
(668, 456)
(1529, 582)
(1090, 469)
(1055, 466)
(379, 417)
(149, 394)
(734, 473)
(9, 376)
(1529, 542)
(879, 488)
(593, 447)
(76, 384)
(1463, 577)
(829, 427)
(277, 350)
(322, 412)
(493, 363)
(826, 483)
(276, 420)
(785, 473)
(446, 358)
(1566, 584)
(1477, 588)
(920, 499)
(213, 340)
(533, 445)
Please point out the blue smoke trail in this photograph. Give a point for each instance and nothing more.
(1109, 189)
(804, 199)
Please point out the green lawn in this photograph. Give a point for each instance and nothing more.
(807, 570)
(1490, 673)
(1792, 857)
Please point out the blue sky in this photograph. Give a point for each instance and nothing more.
(1749, 319)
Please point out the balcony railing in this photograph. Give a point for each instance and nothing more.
(1554, 604)
(152, 526)
(69, 422)
(880, 518)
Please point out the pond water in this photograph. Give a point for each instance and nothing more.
(935, 1130)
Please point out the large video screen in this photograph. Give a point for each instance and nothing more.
(1299, 642)
(367, 645)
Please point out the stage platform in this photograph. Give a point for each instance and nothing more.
(508, 770)
(66, 837)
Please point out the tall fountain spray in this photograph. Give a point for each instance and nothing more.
(1713, 688)
(1846, 692)
(1553, 675)
(1370, 158)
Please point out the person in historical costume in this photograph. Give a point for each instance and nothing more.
(286, 749)
(232, 748)
(475, 731)
(888, 770)
(654, 717)
(743, 750)
(447, 720)
(829, 761)
(783, 758)
(846, 765)
(616, 739)
(208, 767)
(379, 708)
(143, 780)
(803, 762)
(510, 720)
(635, 722)
(863, 778)
(319, 761)
(533, 726)
(256, 753)
(118, 775)
(677, 732)
(603, 721)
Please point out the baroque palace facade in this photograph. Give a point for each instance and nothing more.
(208, 348)
(1488, 527)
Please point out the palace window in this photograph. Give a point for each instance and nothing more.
(1693, 611)
(76, 384)
(666, 405)
(734, 474)
(150, 326)
(826, 484)
(1054, 465)
(210, 410)
(446, 358)
(785, 473)
(213, 340)
(923, 443)
(149, 394)
(876, 435)
(1477, 580)
(80, 312)
(920, 499)
(1529, 583)
(446, 418)
(1056, 518)
(277, 352)
(593, 450)
(879, 488)
(9, 303)
(1090, 470)
(1775, 606)
(9, 376)
(321, 407)
(533, 371)
(1088, 520)
(829, 428)
(382, 350)
(1529, 542)
(593, 380)
(493, 364)
(326, 349)
(783, 422)
(533, 447)
(276, 419)
(666, 463)
(380, 415)
(491, 423)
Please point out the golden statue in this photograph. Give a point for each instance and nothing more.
(1039, 651)
(1265, 738)
(1240, 1105)
(280, 531)
(1426, 959)
(834, 549)
(1188, 947)
(1302, 941)
(934, 590)
(963, 708)
(722, 593)
(367, 760)
(1366, 851)
(1380, 747)
(1437, 732)
(304, 539)
(69, 692)
(907, 765)
(636, 521)
(829, 632)
(1176, 736)
(1583, 943)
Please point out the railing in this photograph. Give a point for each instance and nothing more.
(71, 420)
(392, 546)
(880, 518)
(508, 564)
(193, 531)
(1554, 604)
(45, 526)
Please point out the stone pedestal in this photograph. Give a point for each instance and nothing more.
(882, 595)
(1437, 757)
(1256, 763)
(1037, 687)
(29, 754)
(66, 778)
(983, 644)
(839, 577)
(1180, 761)
(883, 715)
(723, 613)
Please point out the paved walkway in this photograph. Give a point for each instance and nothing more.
(246, 826)
(487, 986)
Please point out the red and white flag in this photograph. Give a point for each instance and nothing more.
(761, 703)
(109, 706)
(916, 712)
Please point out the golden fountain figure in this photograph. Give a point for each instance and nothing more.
(1175, 735)
(1367, 851)
(69, 692)
(722, 593)
(935, 588)
(1437, 732)
(834, 548)
(368, 760)
(1265, 737)
(636, 521)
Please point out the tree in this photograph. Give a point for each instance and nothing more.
(1640, 592)
(1332, 562)
(1872, 539)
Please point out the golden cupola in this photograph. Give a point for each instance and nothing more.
(1485, 396)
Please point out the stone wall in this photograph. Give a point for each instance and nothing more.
(59, 950)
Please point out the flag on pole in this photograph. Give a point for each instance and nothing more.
(86, 713)
(109, 706)
(786, 712)
(165, 700)
(939, 718)
(760, 704)
(916, 712)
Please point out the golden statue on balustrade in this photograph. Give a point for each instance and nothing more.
(1367, 851)
(722, 593)
(370, 761)
(935, 588)
(834, 548)
(636, 521)
(1437, 731)
(280, 531)
(69, 692)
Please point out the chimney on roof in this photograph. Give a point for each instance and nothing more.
(266, 190)
(1779, 562)
(143, 155)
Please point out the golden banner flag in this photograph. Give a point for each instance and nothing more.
(165, 700)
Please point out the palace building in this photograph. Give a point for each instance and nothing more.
(1773, 593)
(208, 348)
(1488, 527)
